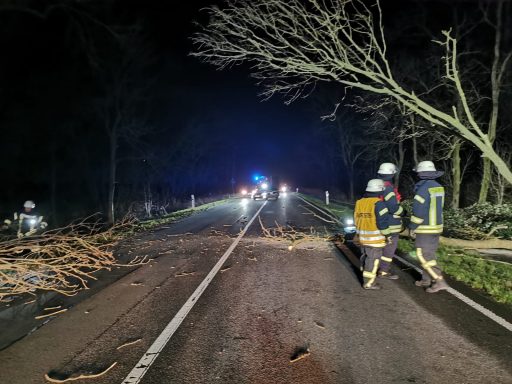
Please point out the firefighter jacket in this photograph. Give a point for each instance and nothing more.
(392, 202)
(427, 207)
(371, 218)
(29, 223)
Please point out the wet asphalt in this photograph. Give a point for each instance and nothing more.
(271, 315)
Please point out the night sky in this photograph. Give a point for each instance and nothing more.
(265, 137)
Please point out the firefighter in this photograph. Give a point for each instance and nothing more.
(391, 199)
(29, 222)
(371, 221)
(427, 225)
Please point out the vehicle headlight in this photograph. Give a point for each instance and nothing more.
(243, 192)
(264, 185)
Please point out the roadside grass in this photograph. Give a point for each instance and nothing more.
(492, 276)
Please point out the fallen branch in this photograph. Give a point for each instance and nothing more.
(483, 244)
(63, 260)
(93, 376)
(50, 314)
(128, 343)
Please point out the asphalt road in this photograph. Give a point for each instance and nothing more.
(270, 315)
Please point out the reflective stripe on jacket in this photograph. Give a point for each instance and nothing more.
(392, 203)
(427, 207)
(371, 220)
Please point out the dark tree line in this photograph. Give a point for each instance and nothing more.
(86, 125)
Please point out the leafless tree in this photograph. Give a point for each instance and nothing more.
(498, 184)
(351, 145)
(292, 45)
(119, 108)
(501, 58)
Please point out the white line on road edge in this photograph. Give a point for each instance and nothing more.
(329, 215)
(501, 321)
(140, 369)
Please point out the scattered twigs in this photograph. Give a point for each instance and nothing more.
(290, 235)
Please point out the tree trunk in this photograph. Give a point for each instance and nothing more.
(456, 175)
(486, 180)
(351, 182)
(54, 188)
(415, 150)
(496, 76)
(112, 177)
(401, 157)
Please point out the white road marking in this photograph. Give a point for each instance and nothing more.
(484, 311)
(140, 369)
(328, 214)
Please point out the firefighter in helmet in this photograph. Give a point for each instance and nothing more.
(391, 199)
(371, 220)
(427, 225)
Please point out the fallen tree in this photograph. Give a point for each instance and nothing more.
(62, 260)
(477, 244)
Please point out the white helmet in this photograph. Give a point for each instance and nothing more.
(425, 166)
(375, 185)
(29, 204)
(387, 169)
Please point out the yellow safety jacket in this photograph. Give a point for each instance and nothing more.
(371, 220)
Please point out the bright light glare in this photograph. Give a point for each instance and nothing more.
(349, 221)
(264, 195)
(283, 189)
(264, 185)
(244, 192)
(284, 194)
(32, 221)
(244, 201)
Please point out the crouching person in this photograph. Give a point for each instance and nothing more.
(371, 221)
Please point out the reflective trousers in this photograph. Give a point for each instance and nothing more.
(370, 261)
(388, 253)
(426, 247)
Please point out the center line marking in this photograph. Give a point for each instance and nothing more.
(140, 369)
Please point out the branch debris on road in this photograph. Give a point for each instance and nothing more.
(71, 378)
(291, 235)
(300, 353)
(128, 343)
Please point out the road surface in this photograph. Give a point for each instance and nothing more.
(271, 314)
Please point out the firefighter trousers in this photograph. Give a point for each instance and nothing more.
(426, 247)
(388, 253)
(371, 261)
